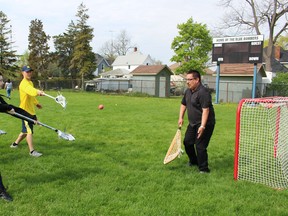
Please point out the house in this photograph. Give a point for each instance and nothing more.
(132, 60)
(152, 79)
(207, 78)
(280, 61)
(236, 81)
(174, 66)
(278, 64)
(102, 64)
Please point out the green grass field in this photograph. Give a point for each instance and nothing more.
(115, 166)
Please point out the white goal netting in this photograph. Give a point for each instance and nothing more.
(261, 151)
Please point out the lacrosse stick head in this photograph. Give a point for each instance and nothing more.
(61, 100)
(65, 136)
(2, 132)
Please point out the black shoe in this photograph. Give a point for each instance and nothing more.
(4, 195)
(204, 171)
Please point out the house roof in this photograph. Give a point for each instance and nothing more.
(208, 71)
(150, 69)
(133, 58)
(277, 64)
(100, 59)
(174, 66)
(116, 72)
(240, 70)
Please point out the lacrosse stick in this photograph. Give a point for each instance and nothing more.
(174, 150)
(60, 99)
(2, 132)
(61, 134)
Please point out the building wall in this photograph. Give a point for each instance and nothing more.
(158, 85)
(233, 89)
(144, 84)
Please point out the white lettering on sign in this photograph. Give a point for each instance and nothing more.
(253, 58)
(249, 38)
(256, 43)
(218, 45)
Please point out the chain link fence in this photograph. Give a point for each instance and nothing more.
(228, 91)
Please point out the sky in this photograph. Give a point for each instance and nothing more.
(151, 24)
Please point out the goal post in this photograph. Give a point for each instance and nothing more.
(261, 141)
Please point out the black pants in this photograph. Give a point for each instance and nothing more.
(2, 188)
(196, 149)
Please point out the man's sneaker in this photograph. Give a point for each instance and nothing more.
(35, 154)
(4, 195)
(204, 171)
(13, 145)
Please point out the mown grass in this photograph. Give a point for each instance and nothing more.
(115, 166)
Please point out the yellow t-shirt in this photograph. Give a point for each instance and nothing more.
(28, 96)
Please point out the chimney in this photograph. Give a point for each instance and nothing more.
(277, 52)
(135, 49)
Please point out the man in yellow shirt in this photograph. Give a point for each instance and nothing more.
(28, 102)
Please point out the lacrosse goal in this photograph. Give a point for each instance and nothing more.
(261, 143)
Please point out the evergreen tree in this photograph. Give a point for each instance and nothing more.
(7, 54)
(83, 58)
(64, 48)
(39, 49)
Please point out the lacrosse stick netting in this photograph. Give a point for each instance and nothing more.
(61, 100)
(174, 150)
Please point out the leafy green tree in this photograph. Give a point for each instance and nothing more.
(83, 58)
(280, 84)
(191, 46)
(39, 49)
(8, 58)
(283, 41)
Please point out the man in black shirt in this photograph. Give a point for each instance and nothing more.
(198, 103)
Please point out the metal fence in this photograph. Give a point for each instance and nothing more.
(232, 92)
(228, 91)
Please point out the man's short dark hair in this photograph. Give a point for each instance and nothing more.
(195, 73)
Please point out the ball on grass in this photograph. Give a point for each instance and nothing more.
(101, 106)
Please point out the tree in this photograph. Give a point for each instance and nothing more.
(120, 46)
(258, 16)
(283, 41)
(38, 49)
(83, 59)
(7, 54)
(191, 46)
(108, 51)
(64, 49)
(123, 43)
(23, 59)
(279, 84)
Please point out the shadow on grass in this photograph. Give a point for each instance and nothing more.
(61, 177)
